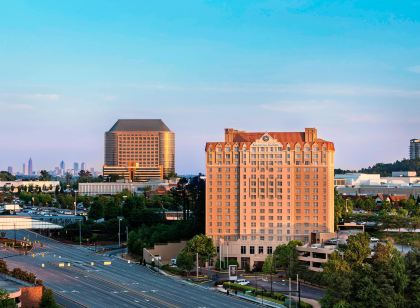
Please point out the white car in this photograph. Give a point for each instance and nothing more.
(374, 239)
(242, 282)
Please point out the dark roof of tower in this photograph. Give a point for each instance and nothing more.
(131, 125)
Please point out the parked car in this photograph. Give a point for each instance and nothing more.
(242, 282)
(332, 241)
(374, 239)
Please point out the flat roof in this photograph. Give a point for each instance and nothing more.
(132, 125)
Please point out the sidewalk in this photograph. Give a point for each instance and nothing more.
(314, 303)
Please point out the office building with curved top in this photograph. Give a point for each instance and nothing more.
(139, 150)
(267, 188)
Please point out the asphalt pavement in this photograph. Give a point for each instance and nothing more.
(280, 285)
(79, 278)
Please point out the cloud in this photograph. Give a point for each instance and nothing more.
(109, 98)
(345, 90)
(42, 97)
(16, 106)
(414, 69)
(298, 106)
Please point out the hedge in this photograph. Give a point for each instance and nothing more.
(276, 295)
(238, 287)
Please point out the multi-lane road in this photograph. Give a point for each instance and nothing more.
(79, 277)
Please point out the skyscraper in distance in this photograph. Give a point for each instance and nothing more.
(414, 148)
(10, 169)
(83, 166)
(62, 168)
(267, 188)
(139, 150)
(24, 169)
(30, 167)
(76, 168)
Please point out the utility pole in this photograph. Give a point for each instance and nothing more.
(220, 256)
(119, 232)
(126, 231)
(290, 292)
(75, 202)
(271, 274)
(80, 233)
(297, 287)
(227, 254)
(299, 292)
(196, 264)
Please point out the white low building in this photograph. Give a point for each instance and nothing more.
(104, 188)
(401, 183)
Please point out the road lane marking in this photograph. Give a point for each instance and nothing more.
(146, 296)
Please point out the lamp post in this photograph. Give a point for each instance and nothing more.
(80, 233)
(75, 202)
(119, 231)
(126, 232)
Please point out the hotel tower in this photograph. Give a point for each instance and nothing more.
(267, 188)
(139, 150)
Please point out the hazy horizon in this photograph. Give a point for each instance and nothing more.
(70, 70)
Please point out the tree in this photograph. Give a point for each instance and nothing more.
(357, 249)
(388, 272)
(353, 280)
(185, 261)
(68, 178)
(44, 176)
(268, 266)
(3, 267)
(5, 301)
(6, 176)
(286, 257)
(386, 169)
(47, 299)
(96, 211)
(337, 277)
(202, 245)
(85, 176)
(412, 265)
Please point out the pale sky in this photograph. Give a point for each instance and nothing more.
(69, 70)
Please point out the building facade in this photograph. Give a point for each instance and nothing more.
(414, 148)
(139, 150)
(265, 189)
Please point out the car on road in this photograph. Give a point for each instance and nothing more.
(332, 241)
(242, 282)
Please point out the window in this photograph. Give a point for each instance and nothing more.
(243, 250)
(260, 250)
(270, 250)
(251, 250)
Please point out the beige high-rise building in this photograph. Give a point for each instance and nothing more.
(139, 150)
(265, 189)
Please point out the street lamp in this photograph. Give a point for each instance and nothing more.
(75, 202)
(80, 233)
(119, 231)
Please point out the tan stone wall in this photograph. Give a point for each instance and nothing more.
(165, 251)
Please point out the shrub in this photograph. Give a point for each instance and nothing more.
(48, 300)
(238, 287)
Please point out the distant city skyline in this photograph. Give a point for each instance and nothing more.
(351, 69)
(60, 169)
